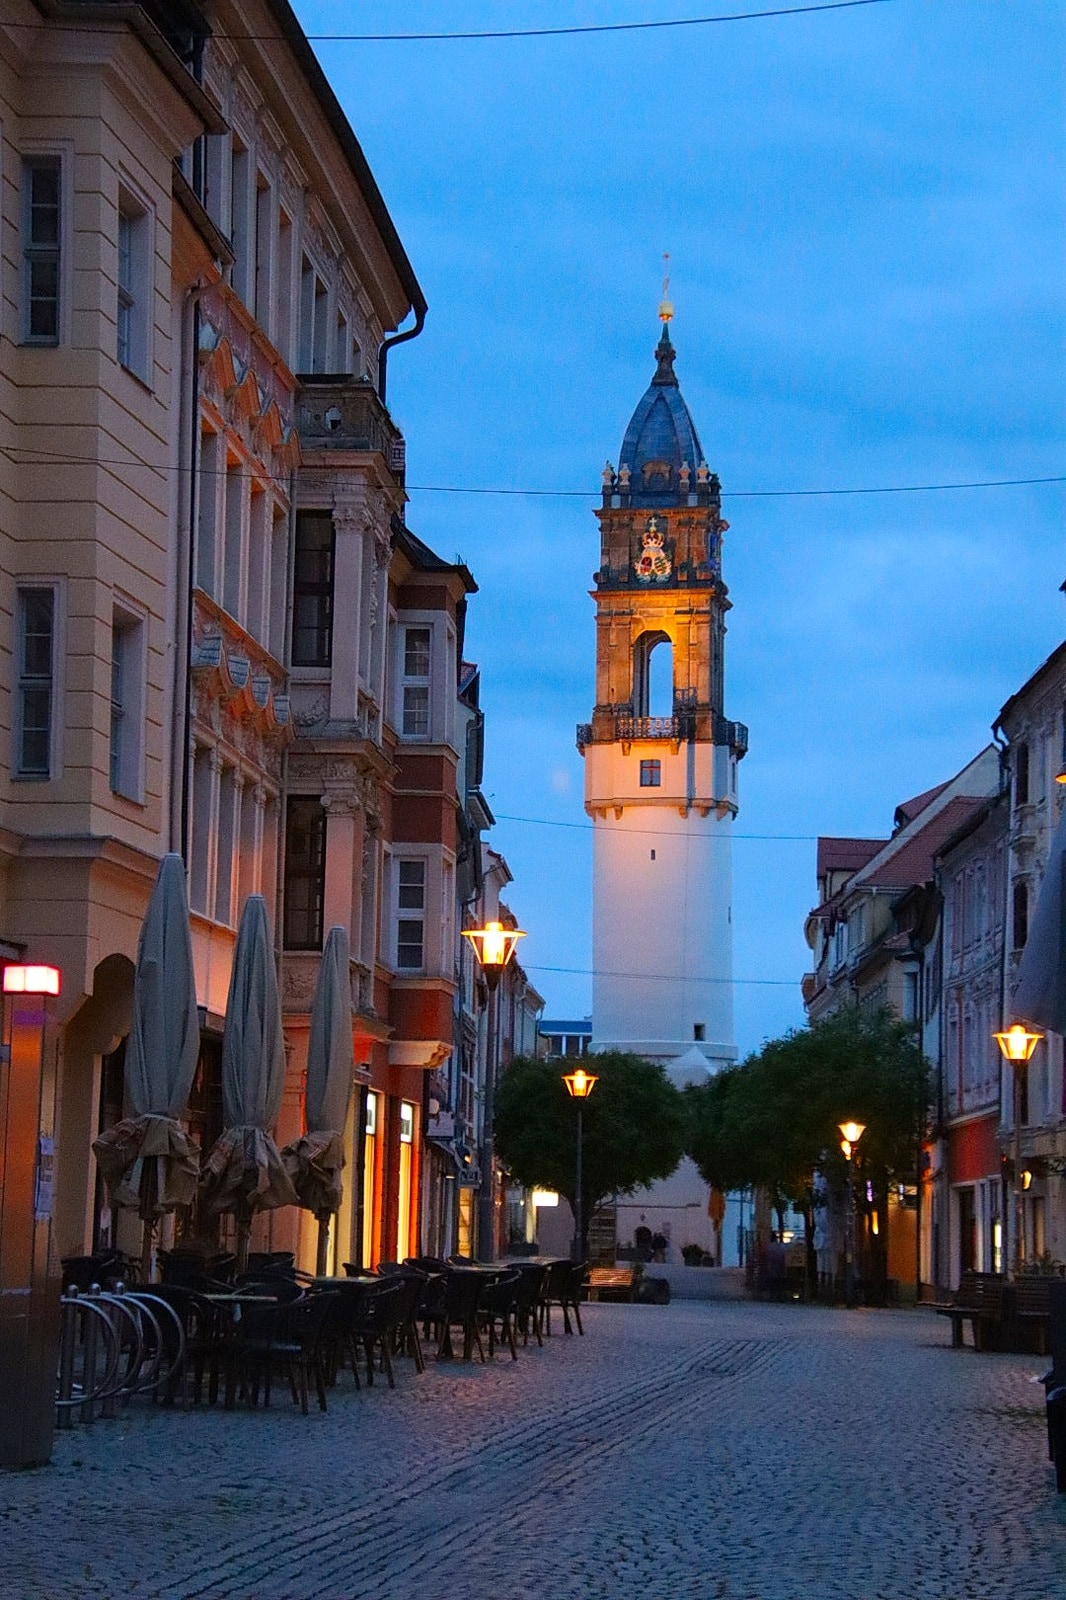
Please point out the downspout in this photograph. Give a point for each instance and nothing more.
(181, 753)
(398, 338)
(1002, 744)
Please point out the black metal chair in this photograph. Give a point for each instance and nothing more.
(499, 1304)
(460, 1307)
(563, 1288)
(530, 1292)
(290, 1336)
(376, 1320)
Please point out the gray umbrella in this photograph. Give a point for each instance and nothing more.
(244, 1172)
(1040, 992)
(147, 1159)
(314, 1162)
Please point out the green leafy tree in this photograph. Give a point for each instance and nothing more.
(634, 1126)
(773, 1120)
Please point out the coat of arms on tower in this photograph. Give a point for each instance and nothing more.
(653, 561)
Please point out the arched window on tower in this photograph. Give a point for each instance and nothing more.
(653, 676)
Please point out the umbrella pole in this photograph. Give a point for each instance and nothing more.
(323, 1246)
(146, 1250)
(244, 1228)
(149, 1189)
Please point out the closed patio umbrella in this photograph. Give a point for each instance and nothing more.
(244, 1172)
(1040, 993)
(314, 1161)
(148, 1160)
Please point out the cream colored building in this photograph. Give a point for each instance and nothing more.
(191, 243)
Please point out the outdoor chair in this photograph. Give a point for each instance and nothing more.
(499, 1304)
(105, 1267)
(279, 1287)
(563, 1287)
(414, 1289)
(461, 1304)
(527, 1301)
(200, 1321)
(376, 1319)
(289, 1336)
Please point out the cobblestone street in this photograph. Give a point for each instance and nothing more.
(707, 1449)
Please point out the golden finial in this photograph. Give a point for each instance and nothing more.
(666, 308)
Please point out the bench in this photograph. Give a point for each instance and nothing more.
(978, 1300)
(1030, 1313)
(615, 1283)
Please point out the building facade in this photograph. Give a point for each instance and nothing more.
(221, 638)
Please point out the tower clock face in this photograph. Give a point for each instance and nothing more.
(653, 563)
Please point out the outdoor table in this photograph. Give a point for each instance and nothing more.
(232, 1303)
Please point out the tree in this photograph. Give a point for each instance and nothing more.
(772, 1121)
(633, 1127)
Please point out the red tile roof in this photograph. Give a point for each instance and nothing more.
(907, 810)
(913, 861)
(846, 855)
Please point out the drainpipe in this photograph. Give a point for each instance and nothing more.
(398, 338)
(180, 751)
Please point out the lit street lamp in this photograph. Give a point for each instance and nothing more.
(494, 945)
(1016, 1045)
(579, 1086)
(850, 1134)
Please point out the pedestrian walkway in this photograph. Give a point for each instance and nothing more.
(705, 1450)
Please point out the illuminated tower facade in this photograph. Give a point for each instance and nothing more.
(661, 756)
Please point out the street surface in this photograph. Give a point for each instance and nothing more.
(713, 1450)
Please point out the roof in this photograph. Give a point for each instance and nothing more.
(660, 429)
(846, 855)
(423, 559)
(913, 861)
(1055, 661)
(907, 810)
(581, 1025)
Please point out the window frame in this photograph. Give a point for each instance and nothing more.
(651, 772)
(30, 682)
(126, 751)
(400, 920)
(416, 686)
(42, 252)
(314, 874)
(134, 297)
(305, 589)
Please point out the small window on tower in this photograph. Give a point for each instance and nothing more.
(650, 774)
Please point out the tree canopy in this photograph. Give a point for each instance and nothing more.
(633, 1126)
(771, 1121)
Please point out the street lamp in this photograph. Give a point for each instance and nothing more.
(579, 1085)
(1016, 1045)
(850, 1134)
(493, 945)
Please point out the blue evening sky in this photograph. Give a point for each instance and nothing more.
(864, 210)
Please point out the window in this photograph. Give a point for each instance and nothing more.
(41, 260)
(404, 1207)
(1021, 775)
(305, 873)
(650, 774)
(36, 664)
(410, 915)
(127, 704)
(312, 609)
(133, 287)
(415, 702)
(1020, 915)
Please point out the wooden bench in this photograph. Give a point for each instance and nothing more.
(615, 1283)
(978, 1300)
(1030, 1314)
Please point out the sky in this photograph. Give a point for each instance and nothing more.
(864, 212)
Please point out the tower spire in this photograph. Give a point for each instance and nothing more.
(666, 308)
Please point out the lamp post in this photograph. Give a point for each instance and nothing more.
(493, 945)
(1016, 1045)
(850, 1134)
(29, 1282)
(579, 1086)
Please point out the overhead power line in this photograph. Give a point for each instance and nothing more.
(37, 455)
(488, 34)
(660, 977)
(659, 833)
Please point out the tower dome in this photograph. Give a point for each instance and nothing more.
(661, 441)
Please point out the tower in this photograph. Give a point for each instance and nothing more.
(660, 756)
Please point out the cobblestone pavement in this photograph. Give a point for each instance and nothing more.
(711, 1450)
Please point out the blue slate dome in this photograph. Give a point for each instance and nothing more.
(661, 437)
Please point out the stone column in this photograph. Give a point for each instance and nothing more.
(344, 853)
